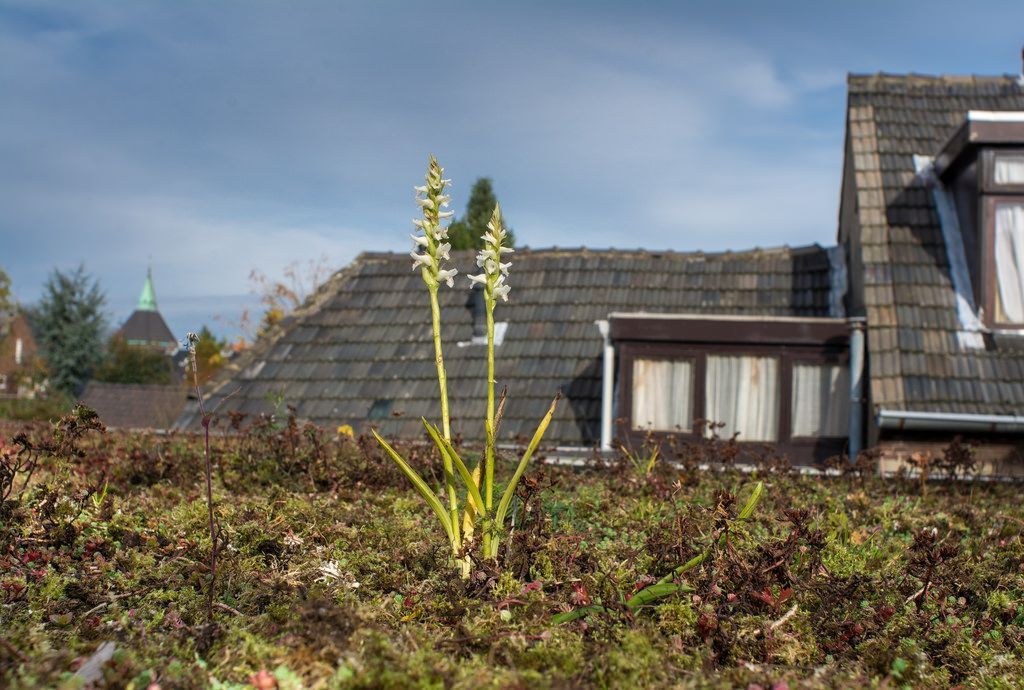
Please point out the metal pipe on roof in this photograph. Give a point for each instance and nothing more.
(901, 420)
(607, 384)
(856, 386)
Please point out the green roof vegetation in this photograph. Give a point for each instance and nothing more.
(331, 573)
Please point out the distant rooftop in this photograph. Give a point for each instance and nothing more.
(361, 350)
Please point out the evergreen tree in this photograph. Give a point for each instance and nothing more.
(70, 324)
(465, 232)
(126, 363)
(6, 300)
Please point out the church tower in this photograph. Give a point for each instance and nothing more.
(145, 327)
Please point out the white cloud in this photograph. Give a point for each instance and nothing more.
(219, 138)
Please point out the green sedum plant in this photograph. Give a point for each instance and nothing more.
(670, 583)
(431, 249)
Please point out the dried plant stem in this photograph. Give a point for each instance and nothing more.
(782, 621)
(209, 478)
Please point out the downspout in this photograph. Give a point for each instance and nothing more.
(856, 386)
(607, 384)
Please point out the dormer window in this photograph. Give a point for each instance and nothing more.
(765, 379)
(982, 166)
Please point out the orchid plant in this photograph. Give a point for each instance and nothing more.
(431, 249)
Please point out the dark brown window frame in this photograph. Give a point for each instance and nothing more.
(988, 171)
(791, 342)
(988, 261)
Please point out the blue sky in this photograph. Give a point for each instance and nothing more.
(213, 138)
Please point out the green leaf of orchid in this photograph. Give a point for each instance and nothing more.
(420, 485)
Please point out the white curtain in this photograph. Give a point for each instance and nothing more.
(1009, 170)
(663, 394)
(821, 399)
(743, 392)
(1009, 250)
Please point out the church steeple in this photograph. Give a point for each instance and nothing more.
(147, 300)
(145, 326)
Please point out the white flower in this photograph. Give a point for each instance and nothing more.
(431, 198)
(489, 259)
(421, 260)
(448, 276)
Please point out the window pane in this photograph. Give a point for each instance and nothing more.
(1009, 170)
(663, 394)
(743, 392)
(821, 399)
(1009, 251)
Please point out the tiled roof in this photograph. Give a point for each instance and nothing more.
(366, 336)
(147, 326)
(135, 406)
(916, 360)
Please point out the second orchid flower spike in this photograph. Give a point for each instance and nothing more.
(495, 272)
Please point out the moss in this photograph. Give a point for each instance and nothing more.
(677, 618)
(631, 662)
(394, 613)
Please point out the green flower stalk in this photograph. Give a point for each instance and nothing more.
(430, 248)
(494, 282)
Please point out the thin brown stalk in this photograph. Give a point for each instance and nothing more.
(192, 338)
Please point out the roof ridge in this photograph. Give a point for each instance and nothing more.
(865, 81)
(614, 251)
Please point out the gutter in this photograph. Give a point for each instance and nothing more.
(944, 421)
